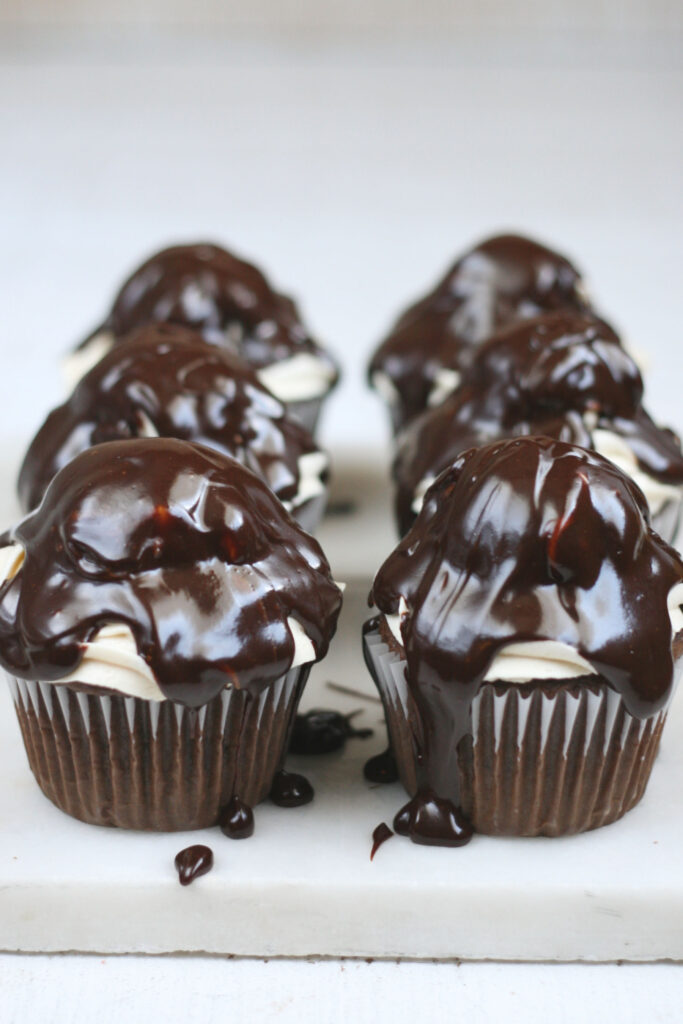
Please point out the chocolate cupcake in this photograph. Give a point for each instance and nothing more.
(529, 639)
(233, 306)
(165, 381)
(504, 279)
(563, 375)
(159, 616)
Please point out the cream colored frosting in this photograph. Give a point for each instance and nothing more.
(542, 659)
(613, 447)
(445, 383)
(111, 661)
(616, 449)
(301, 377)
(385, 388)
(79, 362)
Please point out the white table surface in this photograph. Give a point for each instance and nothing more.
(354, 176)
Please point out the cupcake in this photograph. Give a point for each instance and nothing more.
(504, 279)
(159, 616)
(529, 637)
(165, 381)
(563, 375)
(232, 304)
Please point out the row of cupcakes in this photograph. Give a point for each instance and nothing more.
(162, 601)
(529, 634)
(508, 344)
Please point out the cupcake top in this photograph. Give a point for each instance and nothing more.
(534, 540)
(180, 548)
(564, 375)
(165, 381)
(504, 279)
(232, 304)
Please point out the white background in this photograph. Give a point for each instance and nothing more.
(353, 166)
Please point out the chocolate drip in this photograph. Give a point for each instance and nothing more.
(503, 280)
(166, 379)
(183, 545)
(291, 790)
(236, 820)
(379, 836)
(381, 768)
(528, 539)
(227, 299)
(562, 375)
(192, 862)
(323, 732)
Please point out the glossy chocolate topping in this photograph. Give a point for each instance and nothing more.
(165, 380)
(183, 545)
(227, 299)
(322, 732)
(541, 376)
(521, 540)
(504, 279)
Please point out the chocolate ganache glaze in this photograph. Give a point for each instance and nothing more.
(183, 545)
(563, 375)
(165, 380)
(504, 279)
(521, 540)
(229, 300)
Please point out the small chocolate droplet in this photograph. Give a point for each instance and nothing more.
(236, 820)
(192, 862)
(291, 790)
(379, 836)
(381, 768)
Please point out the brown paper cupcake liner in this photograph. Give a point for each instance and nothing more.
(310, 513)
(550, 758)
(667, 521)
(306, 412)
(137, 764)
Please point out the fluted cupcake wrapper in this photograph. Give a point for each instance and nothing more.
(132, 763)
(667, 521)
(550, 758)
(306, 412)
(310, 513)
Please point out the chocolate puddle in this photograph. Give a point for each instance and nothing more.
(381, 768)
(290, 789)
(322, 732)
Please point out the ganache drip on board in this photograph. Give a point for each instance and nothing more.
(522, 540)
(183, 545)
(165, 380)
(192, 862)
(504, 279)
(229, 300)
(561, 375)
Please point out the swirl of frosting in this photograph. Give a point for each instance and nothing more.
(504, 279)
(184, 546)
(563, 375)
(226, 299)
(164, 380)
